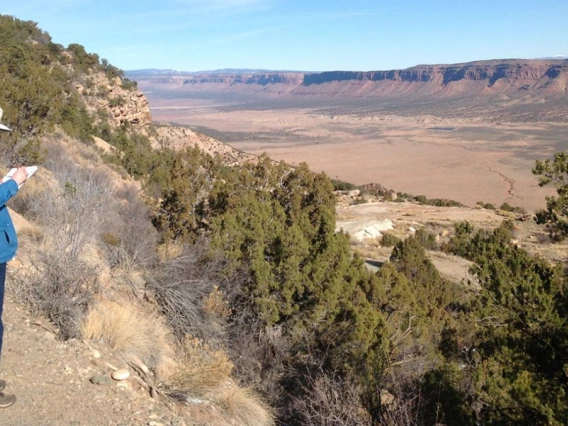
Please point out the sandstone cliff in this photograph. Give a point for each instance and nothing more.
(483, 77)
(510, 77)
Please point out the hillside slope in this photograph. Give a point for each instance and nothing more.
(51, 380)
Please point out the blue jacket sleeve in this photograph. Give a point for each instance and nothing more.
(7, 190)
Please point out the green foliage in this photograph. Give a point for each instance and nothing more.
(519, 370)
(426, 239)
(30, 152)
(460, 242)
(36, 90)
(554, 173)
(118, 101)
(281, 223)
(340, 185)
(422, 199)
(487, 206)
(433, 293)
(389, 240)
(128, 84)
(184, 178)
(135, 155)
(83, 62)
(508, 208)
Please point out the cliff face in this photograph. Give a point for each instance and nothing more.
(122, 105)
(476, 78)
(548, 77)
(487, 71)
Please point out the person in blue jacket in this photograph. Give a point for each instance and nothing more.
(8, 246)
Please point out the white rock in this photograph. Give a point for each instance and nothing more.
(373, 231)
(120, 374)
(96, 354)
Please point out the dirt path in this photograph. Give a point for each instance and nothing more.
(51, 380)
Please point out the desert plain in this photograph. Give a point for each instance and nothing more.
(467, 158)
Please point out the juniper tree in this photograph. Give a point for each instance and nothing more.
(554, 173)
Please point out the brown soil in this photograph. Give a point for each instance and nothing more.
(465, 159)
(51, 381)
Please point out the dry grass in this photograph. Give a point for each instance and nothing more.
(133, 333)
(216, 305)
(200, 368)
(242, 406)
(206, 373)
(169, 251)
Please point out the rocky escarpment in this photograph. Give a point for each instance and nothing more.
(475, 78)
(508, 77)
(487, 71)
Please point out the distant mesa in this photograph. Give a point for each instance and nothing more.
(510, 77)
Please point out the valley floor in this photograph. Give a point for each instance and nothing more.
(464, 159)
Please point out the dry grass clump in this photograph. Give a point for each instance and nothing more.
(206, 373)
(242, 406)
(216, 305)
(169, 251)
(134, 333)
(200, 368)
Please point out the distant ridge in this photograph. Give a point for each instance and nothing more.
(510, 83)
(558, 57)
(155, 71)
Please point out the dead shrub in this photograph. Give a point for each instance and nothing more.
(328, 399)
(263, 353)
(61, 287)
(65, 278)
(131, 332)
(74, 210)
(135, 239)
(182, 288)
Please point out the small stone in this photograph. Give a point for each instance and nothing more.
(96, 354)
(100, 379)
(120, 374)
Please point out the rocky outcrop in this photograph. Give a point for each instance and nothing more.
(132, 108)
(177, 138)
(123, 105)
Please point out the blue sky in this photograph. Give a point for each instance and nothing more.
(310, 35)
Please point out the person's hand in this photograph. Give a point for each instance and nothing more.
(20, 176)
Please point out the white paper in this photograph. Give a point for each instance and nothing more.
(30, 169)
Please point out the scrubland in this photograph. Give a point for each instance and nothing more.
(228, 286)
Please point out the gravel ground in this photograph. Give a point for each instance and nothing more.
(51, 381)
